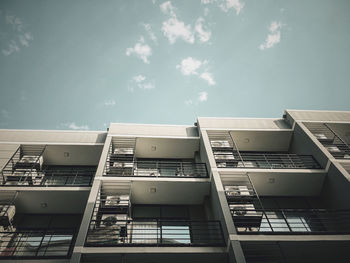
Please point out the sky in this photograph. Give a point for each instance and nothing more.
(81, 65)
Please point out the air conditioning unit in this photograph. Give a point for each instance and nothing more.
(320, 136)
(124, 151)
(219, 143)
(243, 210)
(7, 213)
(333, 149)
(237, 190)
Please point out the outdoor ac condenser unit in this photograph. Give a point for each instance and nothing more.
(7, 213)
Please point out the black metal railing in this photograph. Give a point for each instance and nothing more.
(157, 169)
(153, 232)
(259, 160)
(33, 177)
(297, 221)
(36, 243)
(334, 143)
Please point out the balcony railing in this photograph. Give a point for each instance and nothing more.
(230, 159)
(152, 232)
(334, 143)
(291, 221)
(32, 177)
(36, 244)
(156, 169)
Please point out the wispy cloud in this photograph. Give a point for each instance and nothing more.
(226, 5)
(235, 4)
(150, 33)
(203, 34)
(208, 78)
(189, 102)
(21, 37)
(109, 103)
(74, 126)
(274, 37)
(167, 8)
(174, 29)
(203, 96)
(191, 66)
(142, 83)
(140, 50)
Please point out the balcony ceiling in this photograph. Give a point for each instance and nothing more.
(188, 193)
(166, 147)
(268, 141)
(77, 154)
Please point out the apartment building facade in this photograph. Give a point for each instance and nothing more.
(222, 190)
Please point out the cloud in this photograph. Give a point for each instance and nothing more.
(12, 47)
(188, 102)
(204, 35)
(174, 29)
(202, 96)
(73, 126)
(140, 50)
(226, 5)
(167, 8)
(189, 66)
(141, 83)
(151, 35)
(16, 22)
(139, 78)
(274, 37)
(109, 103)
(208, 77)
(235, 4)
(20, 37)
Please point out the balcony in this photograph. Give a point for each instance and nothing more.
(78, 176)
(110, 233)
(33, 243)
(263, 160)
(334, 137)
(290, 221)
(156, 169)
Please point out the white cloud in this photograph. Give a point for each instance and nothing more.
(226, 5)
(151, 35)
(16, 22)
(12, 47)
(189, 66)
(20, 37)
(203, 96)
(140, 50)
(204, 35)
(139, 78)
(174, 29)
(167, 8)
(188, 102)
(206, 11)
(274, 37)
(235, 4)
(207, 1)
(141, 83)
(208, 77)
(109, 103)
(74, 126)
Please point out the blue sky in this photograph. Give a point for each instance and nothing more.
(83, 64)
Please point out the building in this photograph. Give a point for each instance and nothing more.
(223, 190)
